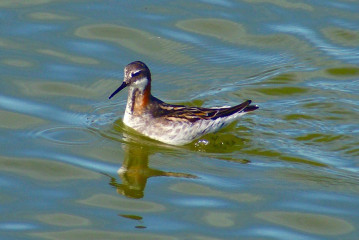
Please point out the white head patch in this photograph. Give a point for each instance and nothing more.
(141, 84)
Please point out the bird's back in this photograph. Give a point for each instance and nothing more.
(160, 109)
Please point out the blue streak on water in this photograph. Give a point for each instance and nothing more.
(278, 233)
(87, 163)
(171, 224)
(222, 3)
(281, 67)
(16, 226)
(4, 182)
(62, 72)
(351, 169)
(200, 202)
(87, 47)
(345, 24)
(41, 110)
(313, 207)
(241, 56)
(29, 30)
(351, 55)
(346, 6)
(180, 35)
(215, 181)
(324, 196)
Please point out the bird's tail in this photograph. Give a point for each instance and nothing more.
(250, 108)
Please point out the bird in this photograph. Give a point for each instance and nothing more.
(169, 123)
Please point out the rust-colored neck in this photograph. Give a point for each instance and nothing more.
(140, 100)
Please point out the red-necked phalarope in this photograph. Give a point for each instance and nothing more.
(171, 124)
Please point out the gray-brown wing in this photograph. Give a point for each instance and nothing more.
(192, 114)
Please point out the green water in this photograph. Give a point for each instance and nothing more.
(71, 170)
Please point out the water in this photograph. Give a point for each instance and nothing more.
(71, 170)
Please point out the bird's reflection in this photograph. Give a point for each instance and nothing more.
(135, 171)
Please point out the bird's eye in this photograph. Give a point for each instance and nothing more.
(134, 74)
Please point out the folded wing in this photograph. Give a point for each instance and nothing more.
(193, 114)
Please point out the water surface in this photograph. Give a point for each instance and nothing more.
(71, 170)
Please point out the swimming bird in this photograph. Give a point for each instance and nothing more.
(168, 123)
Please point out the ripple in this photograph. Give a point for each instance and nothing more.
(319, 137)
(68, 57)
(68, 135)
(48, 171)
(285, 4)
(47, 16)
(97, 234)
(220, 219)
(139, 41)
(63, 220)
(310, 223)
(290, 117)
(96, 121)
(283, 91)
(40, 110)
(348, 54)
(343, 71)
(277, 233)
(342, 36)
(59, 133)
(284, 78)
(17, 63)
(22, 3)
(218, 28)
(16, 226)
(102, 115)
(113, 202)
(235, 33)
(12, 120)
(198, 202)
(222, 3)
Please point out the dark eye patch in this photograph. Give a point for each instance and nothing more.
(134, 74)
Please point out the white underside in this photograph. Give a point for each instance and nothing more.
(172, 132)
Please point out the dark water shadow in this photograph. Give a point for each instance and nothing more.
(135, 171)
